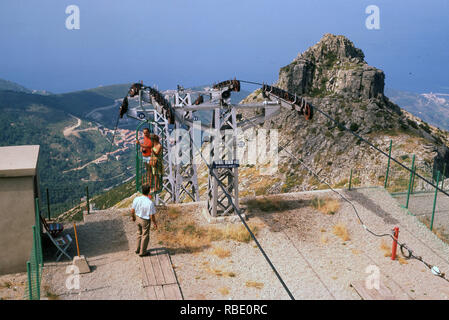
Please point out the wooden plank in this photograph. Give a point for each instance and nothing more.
(151, 293)
(437, 293)
(151, 279)
(159, 292)
(383, 293)
(159, 276)
(172, 292)
(167, 268)
(144, 273)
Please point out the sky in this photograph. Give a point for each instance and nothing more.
(198, 42)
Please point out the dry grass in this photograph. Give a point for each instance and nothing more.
(221, 252)
(386, 248)
(254, 284)
(180, 232)
(6, 284)
(324, 239)
(340, 231)
(224, 291)
(402, 260)
(49, 294)
(220, 273)
(267, 204)
(239, 233)
(326, 205)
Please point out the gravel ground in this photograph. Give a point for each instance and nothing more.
(106, 238)
(292, 238)
(13, 286)
(315, 270)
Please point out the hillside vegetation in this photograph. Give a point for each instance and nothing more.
(12, 86)
(34, 119)
(77, 103)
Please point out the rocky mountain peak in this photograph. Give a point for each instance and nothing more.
(333, 76)
(339, 46)
(332, 66)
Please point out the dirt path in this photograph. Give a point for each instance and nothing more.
(69, 130)
(98, 160)
(116, 103)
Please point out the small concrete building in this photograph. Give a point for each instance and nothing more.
(19, 186)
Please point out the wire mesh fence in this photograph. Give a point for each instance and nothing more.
(416, 190)
(36, 263)
(57, 201)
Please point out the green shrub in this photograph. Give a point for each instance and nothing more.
(412, 123)
(354, 127)
(425, 127)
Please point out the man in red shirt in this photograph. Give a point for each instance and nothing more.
(146, 147)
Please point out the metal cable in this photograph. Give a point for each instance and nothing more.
(113, 136)
(402, 245)
(339, 125)
(239, 214)
(228, 196)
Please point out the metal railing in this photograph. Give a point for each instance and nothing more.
(420, 189)
(57, 200)
(36, 262)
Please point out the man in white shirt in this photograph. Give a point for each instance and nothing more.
(143, 211)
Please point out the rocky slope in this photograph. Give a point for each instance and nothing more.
(334, 77)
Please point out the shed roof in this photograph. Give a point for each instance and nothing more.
(18, 161)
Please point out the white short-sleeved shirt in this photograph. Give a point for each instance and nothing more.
(144, 207)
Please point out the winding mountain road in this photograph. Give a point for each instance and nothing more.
(70, 130)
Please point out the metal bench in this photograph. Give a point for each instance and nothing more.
(62, 243)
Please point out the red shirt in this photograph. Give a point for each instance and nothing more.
(146, 146)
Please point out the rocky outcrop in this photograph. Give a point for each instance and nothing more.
(333, 66)
(333, 76)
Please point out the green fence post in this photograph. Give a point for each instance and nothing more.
(48, 205)
(137, 158)
(87, 200)
(137, 169)
(350, 180)
(435, 201)
(388, 166)
(38, 233)
(30, 289)
(410, 182)
(413, 178)
(444, 174)
(36, 258)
